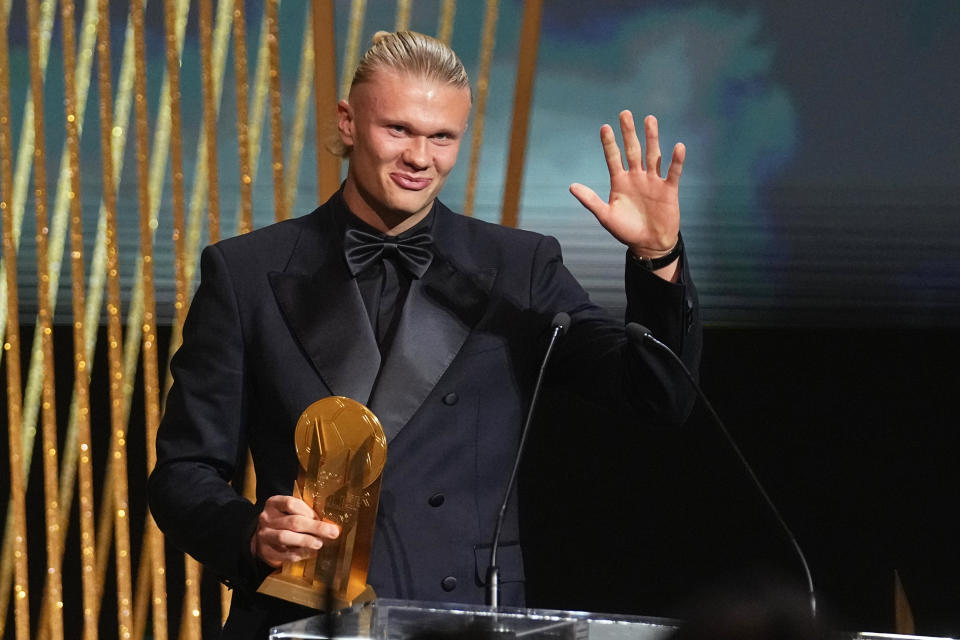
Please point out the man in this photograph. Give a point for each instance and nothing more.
(441, 341)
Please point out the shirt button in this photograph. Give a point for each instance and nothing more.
(436, 500)
(449, 583)
(450, 399)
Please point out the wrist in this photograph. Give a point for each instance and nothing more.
(654, 261)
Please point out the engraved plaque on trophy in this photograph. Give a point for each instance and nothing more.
(342, 450)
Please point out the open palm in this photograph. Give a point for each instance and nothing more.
(643, 211)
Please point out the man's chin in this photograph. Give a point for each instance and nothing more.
(406, 206)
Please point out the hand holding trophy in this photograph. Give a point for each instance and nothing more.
(342, 451)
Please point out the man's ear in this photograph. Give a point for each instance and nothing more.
(345, 123)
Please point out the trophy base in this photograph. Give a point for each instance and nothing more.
(293, 589)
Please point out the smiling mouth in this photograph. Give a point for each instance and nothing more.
(409, 182)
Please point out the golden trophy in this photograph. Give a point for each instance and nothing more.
(342, 450)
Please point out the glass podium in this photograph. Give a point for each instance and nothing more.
(386, 619)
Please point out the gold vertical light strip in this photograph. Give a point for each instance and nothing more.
(114, 334)
(81, 374)
(448, 8)
(403, 15)
(191, 231)
(5, 195)
(221, 43)
(53, 620)
(21, 182)
(483, 90)
(300, 111)
(226, 597)
(176, 157)
(245, 222)
(261, 91)
(902, 612)
(522, 98)
(357, 11)
(276, 106)
(16, 512)
(142, 595)
(151, 377)
(325, 96)
(209, 119)
(190, 612)
(174, 25)
(179, 231)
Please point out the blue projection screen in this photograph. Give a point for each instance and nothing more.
(822, 182)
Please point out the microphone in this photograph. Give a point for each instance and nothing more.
(558, 327)
(638, 334)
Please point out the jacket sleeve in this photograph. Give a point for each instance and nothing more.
(595, 358)
(201, 439)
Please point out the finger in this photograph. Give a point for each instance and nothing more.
(631, 143)
(281, 539)
(653, 144)
(291, 505)
(328, 530)
(611, 152)
(276, 556)
(271, 546)
(589, 199)
(308, 526)
(676, 163)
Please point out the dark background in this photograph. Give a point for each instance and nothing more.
(853, 434)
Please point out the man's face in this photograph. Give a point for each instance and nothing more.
(404, 132)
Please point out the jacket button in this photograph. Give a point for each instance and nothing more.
(450, 399)
(436, 500)
(449, 583)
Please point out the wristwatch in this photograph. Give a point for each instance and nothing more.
(652, 264)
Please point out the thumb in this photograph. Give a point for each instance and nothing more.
(589, 199)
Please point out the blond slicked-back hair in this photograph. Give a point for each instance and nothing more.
(413, 53)
(407, 52)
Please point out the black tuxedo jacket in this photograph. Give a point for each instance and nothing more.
(277, 323)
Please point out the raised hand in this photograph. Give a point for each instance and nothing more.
(643, 211)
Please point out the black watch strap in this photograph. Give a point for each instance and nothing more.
(652, 264)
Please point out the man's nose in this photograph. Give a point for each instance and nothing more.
(417, 153)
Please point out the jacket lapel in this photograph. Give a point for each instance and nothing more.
(441, 310)
(325, 313)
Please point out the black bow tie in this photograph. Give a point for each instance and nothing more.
(363, 249)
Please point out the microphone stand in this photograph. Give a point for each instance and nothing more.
(558, 326)
(638, 334)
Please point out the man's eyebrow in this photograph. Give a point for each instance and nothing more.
(450, 133)
(428, 131)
